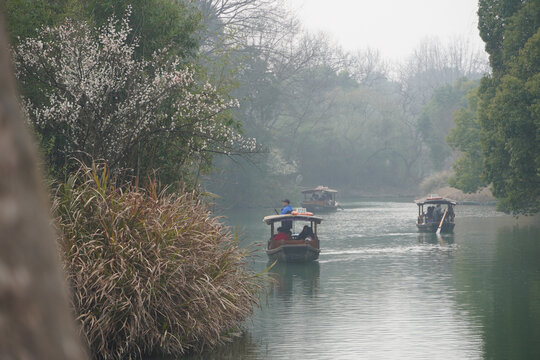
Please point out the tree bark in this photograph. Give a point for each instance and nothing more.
(35, 317)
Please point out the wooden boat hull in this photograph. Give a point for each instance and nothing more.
(432, 227)
(293, 253)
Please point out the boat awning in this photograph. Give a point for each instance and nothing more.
(319, 189)
(274, 218)
(434, 199)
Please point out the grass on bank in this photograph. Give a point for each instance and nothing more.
(150, 272)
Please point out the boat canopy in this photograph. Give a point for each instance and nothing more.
(319, 188)
(274, 218)
(434, 199)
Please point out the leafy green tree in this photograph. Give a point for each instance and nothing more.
(157, 24)
(25, 17)
(508, 111)
(465, 138)
(101, 101)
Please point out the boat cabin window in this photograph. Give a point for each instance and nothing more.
(300, 230)
(435, 212)
(319, 196)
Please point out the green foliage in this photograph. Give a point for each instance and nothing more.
(493, 16)
(508, 112)
(149, 272)
(158, 24)
(89, 95)
(465, 138)
(26, 17)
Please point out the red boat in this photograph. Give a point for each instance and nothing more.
(295, 238)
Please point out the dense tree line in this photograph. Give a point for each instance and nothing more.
(322, 115)
(499, 132)
(327, 116)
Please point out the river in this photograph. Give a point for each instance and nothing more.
(380, 290)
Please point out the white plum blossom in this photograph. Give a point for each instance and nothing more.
(103, 100)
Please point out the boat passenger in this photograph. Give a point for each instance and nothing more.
(282, 235)
(429, 215)
(307, 232)
(438, 213)
(451, 214)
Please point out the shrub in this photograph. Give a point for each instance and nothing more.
(150, 271)
(435, 181)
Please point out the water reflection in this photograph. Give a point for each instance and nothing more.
(289, 279)
(503, 291)
(243, 347)
(433, 239)
(383, 291)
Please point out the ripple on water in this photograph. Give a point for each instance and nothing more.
(380, 290)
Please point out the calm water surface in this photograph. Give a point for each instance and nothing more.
(380, 290)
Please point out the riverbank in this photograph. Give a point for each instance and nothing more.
(481, 197)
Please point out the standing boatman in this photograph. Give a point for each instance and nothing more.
(287, 209)
(286, 225)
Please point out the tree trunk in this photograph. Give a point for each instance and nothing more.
(35, 317)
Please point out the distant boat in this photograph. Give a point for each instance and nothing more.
(287, 244)
(320, 199)
(431, 219)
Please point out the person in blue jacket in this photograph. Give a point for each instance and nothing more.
(286, 225)
(287, 209)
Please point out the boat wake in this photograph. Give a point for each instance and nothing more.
(340, 255)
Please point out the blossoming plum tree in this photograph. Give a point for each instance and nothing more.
(96, 100)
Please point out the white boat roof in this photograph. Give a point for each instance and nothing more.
(274, 218)
(434, 199)
(319, 188)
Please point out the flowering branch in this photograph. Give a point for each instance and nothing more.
(101, 100)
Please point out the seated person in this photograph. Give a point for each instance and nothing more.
(451, 214)
(282, 235)
(286, 226)
(438, 213)
(306, 233)
(429, 215)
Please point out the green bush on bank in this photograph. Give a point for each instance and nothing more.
(150, 272)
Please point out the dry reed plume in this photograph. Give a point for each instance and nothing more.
(150, 271)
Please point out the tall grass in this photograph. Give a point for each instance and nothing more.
(150, 271)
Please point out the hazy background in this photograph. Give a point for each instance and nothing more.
(394, 27)
(355, 95)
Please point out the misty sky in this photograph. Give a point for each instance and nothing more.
(395, 27)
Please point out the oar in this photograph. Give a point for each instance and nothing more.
(442, 220)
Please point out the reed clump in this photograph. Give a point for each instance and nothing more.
(150, 272)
